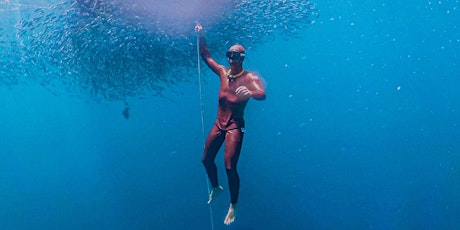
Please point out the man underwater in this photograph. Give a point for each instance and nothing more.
(237, 86)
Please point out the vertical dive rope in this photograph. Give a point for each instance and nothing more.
(202, 118)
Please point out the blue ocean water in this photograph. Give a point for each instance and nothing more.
(360, 130)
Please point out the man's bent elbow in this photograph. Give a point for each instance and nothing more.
(259, 96)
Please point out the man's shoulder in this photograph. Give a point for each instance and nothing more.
(252, 76)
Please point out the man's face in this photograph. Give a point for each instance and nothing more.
(235, 56)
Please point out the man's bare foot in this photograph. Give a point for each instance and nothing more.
(231, 214)
(214, 192)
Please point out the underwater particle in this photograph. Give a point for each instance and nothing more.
(398, 88)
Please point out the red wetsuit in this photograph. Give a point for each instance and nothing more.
(229, 125)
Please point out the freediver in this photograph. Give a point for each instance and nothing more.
(237, 86)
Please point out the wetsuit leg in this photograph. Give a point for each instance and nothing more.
(233, 143)
(211, 148)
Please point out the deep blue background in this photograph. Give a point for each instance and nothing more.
(360, 130)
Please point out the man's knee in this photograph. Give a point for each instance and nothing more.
(205, 161)
(230, 163)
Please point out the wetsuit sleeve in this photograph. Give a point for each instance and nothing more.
(206, 56)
